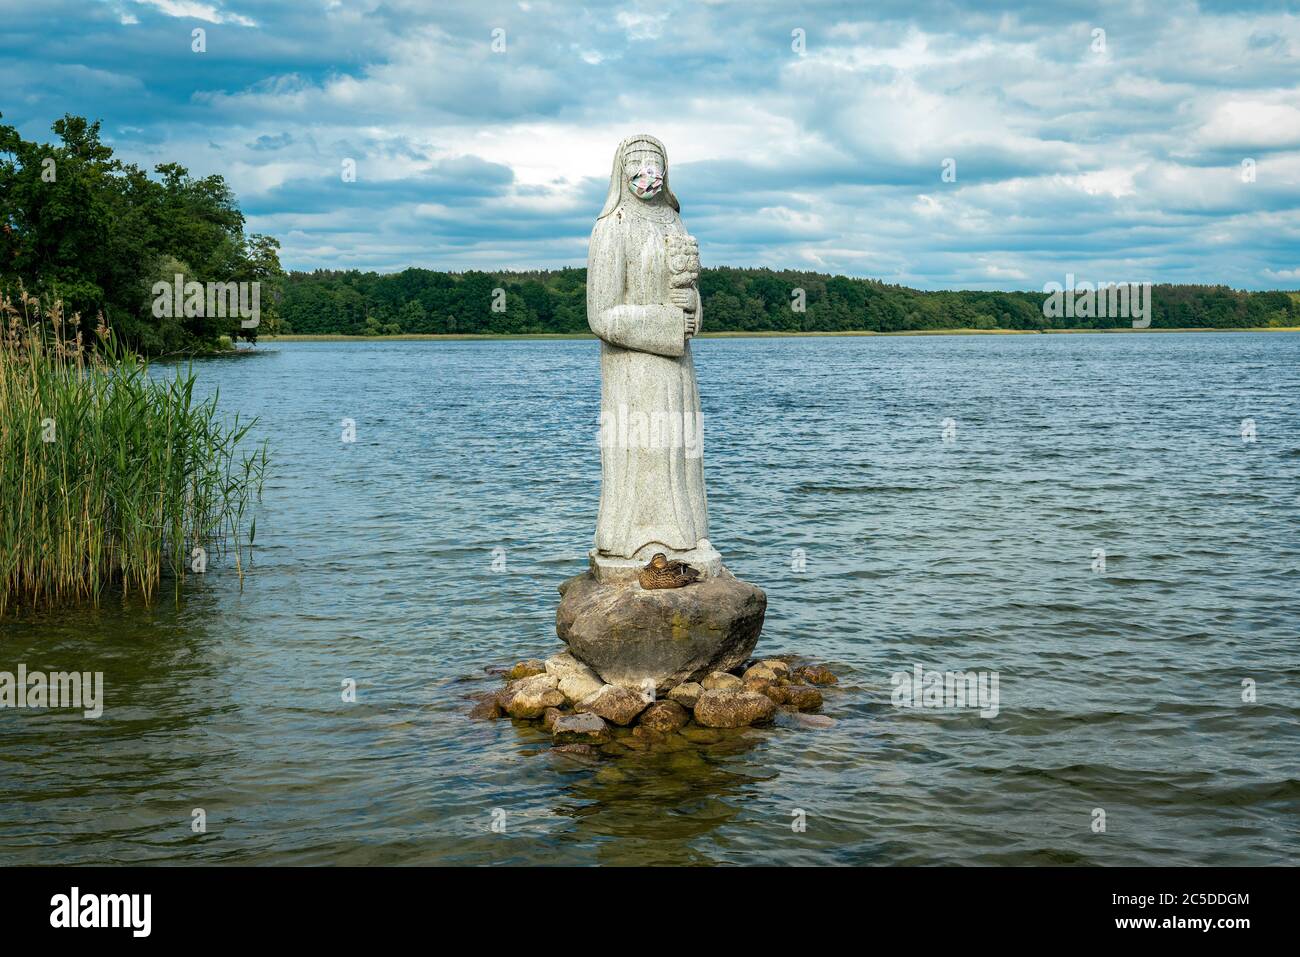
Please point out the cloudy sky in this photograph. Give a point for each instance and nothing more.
(814, 139)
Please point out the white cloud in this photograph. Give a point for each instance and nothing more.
(1103, 182)
(829, 161)
(194, 10)
(1247, 123)
(641, 26)
(995, 271)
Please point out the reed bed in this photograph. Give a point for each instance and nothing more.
(110, 479)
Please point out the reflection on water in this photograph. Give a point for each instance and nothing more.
(1120, 691)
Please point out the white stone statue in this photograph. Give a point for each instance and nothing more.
(643, 303)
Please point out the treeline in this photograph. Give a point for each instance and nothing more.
(76, 224)
(738, 300)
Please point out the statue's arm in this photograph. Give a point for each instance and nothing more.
(657, 328)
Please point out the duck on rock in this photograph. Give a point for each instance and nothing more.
(661, 573)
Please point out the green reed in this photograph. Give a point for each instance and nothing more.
(109, 478)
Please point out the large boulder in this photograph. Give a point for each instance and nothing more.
(668, 635)
(733, 709)
(575, 680)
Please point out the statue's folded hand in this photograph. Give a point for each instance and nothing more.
(684, 299)
(687, 300)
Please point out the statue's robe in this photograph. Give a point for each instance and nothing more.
(651, 498)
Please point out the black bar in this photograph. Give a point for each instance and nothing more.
(949, 905)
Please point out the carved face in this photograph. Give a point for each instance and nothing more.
(644, 168)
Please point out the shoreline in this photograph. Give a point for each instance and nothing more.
(472, 337)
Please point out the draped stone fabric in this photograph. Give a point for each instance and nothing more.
(652, 474)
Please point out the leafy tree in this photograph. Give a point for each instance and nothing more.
(80, 225)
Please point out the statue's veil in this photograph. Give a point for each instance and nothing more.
(618, 186)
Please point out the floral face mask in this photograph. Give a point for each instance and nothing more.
(647, 181)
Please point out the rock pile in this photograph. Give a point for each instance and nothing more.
(585, 714)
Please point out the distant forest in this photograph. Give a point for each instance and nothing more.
(735, 300)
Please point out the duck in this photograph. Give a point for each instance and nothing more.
(661, 573)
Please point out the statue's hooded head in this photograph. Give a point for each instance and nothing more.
(640, 174)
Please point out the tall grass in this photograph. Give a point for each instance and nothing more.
(109, 478)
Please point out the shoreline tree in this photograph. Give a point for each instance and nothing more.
(78, 225)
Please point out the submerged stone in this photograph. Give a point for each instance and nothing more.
(650, 735)
(486, 707)
(812, 721)
(701, 735)
(817, 675)
(584, 728)
(586, 750)
(733, 709)
(803, 697)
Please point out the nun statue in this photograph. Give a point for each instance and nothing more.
(644, 304)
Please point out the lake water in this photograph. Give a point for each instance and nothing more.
(1120, 691)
